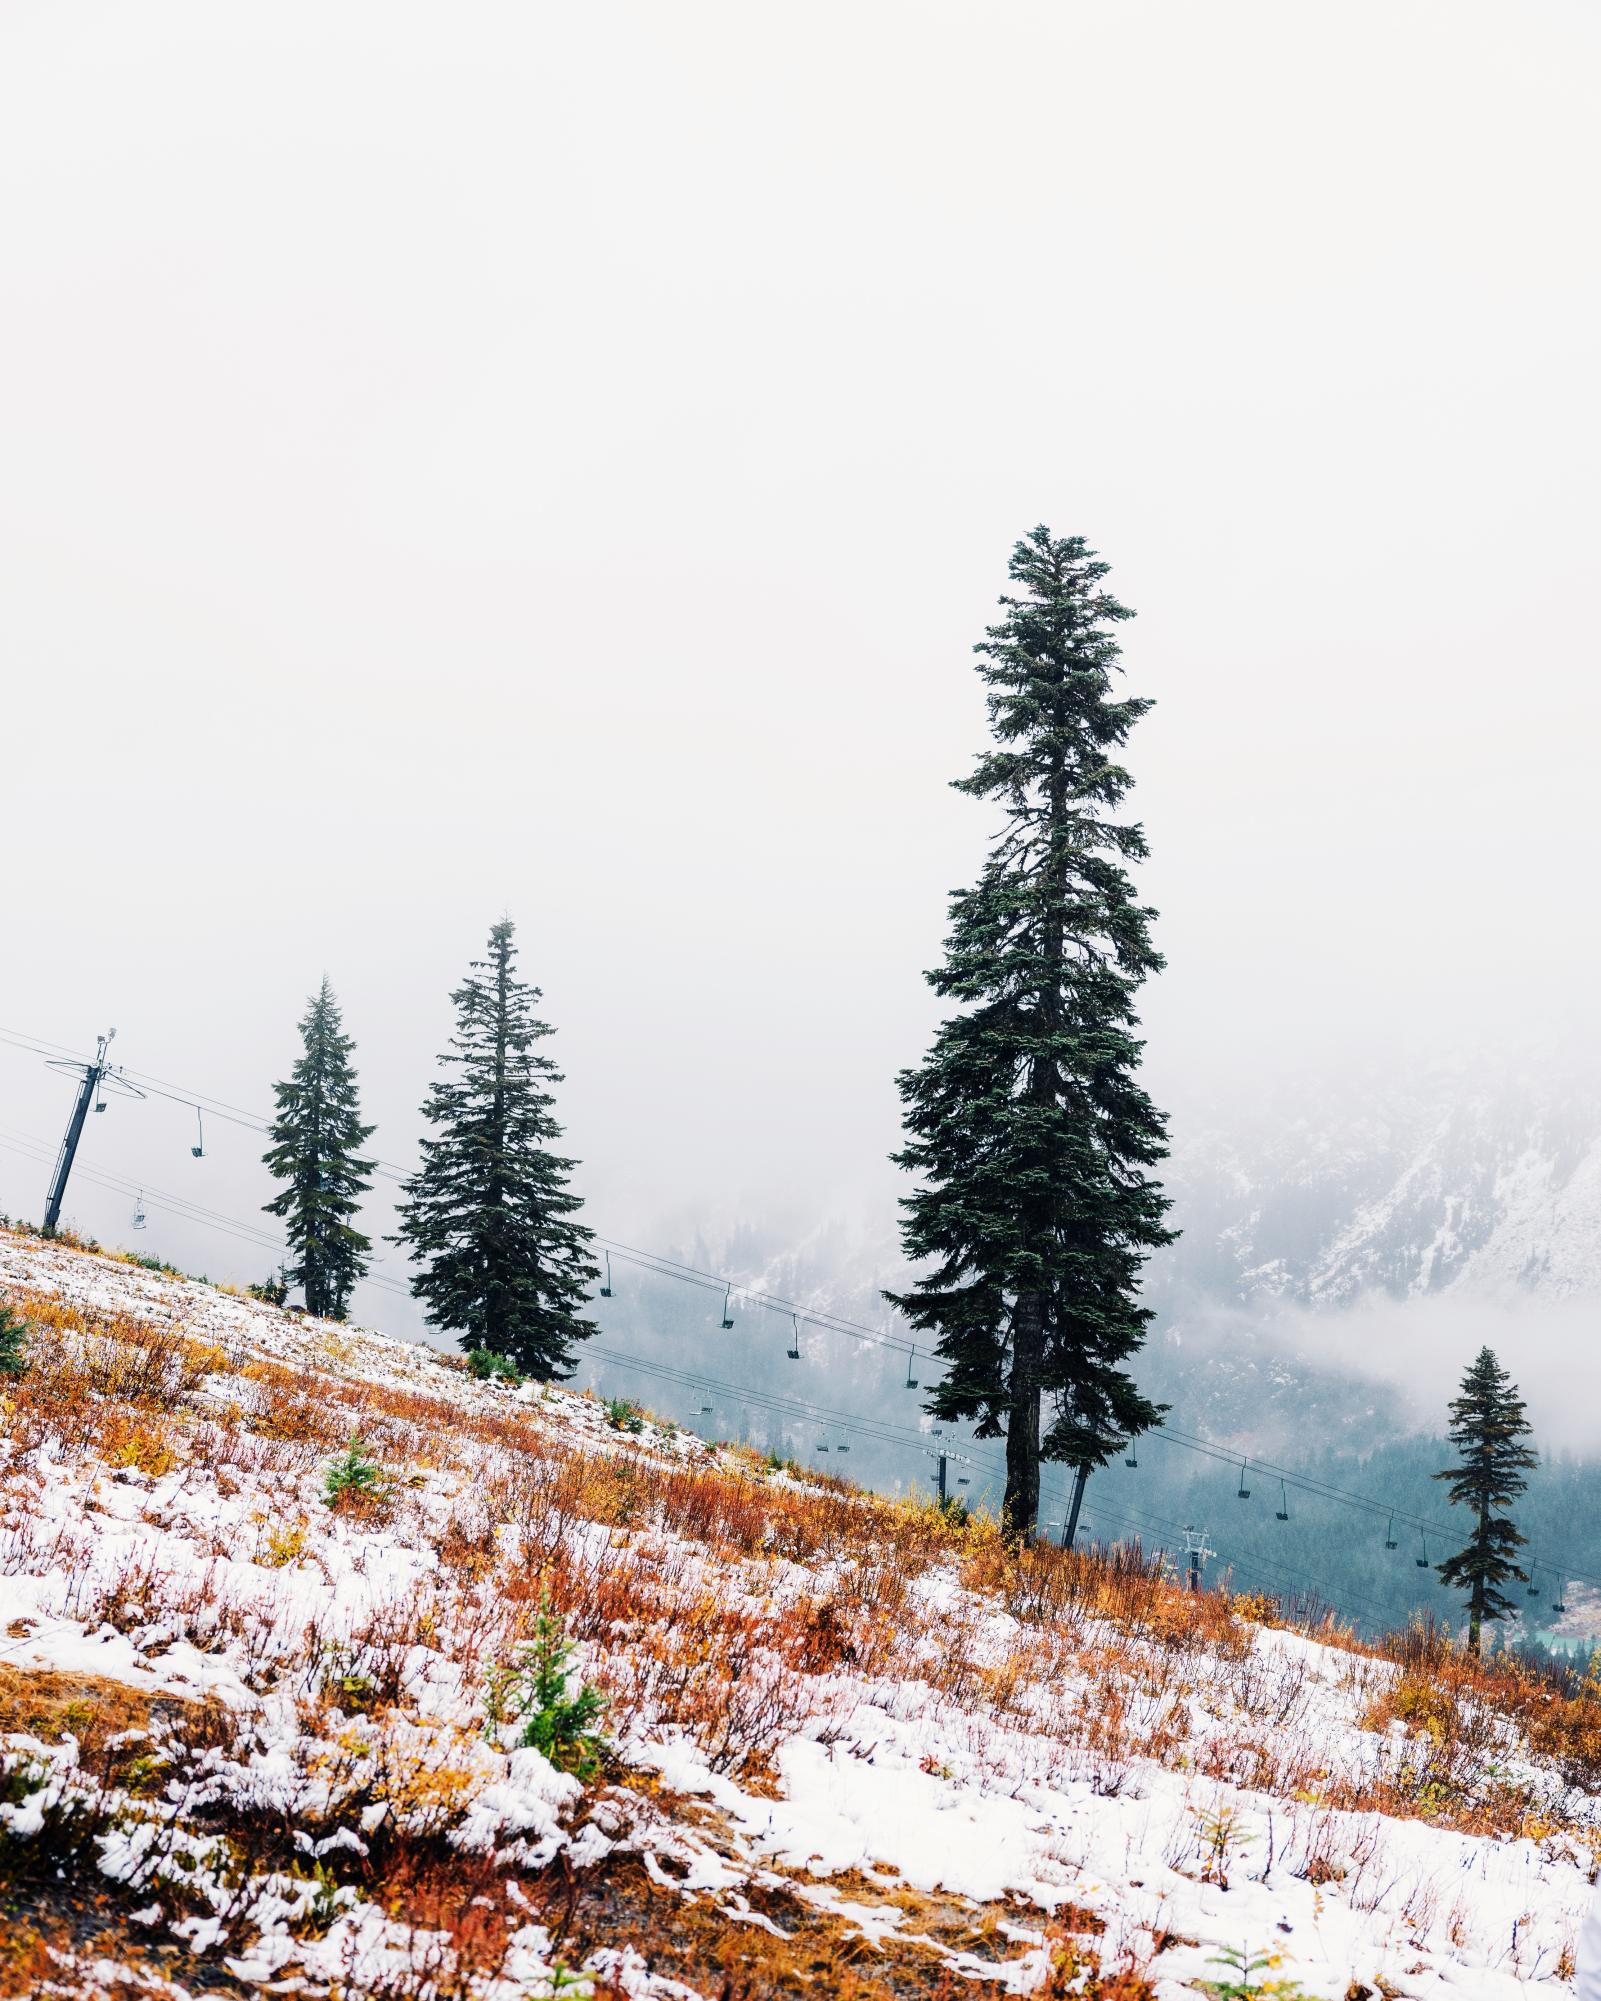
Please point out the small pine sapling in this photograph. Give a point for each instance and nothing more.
(1223, 1838)
(153, 1264)
(533, 1691)
(489, 1367)
(622, 1415)
(354, 1477)
(13, 1342)
(1242, 1981)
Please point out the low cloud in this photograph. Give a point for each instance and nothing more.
(1417, 1349)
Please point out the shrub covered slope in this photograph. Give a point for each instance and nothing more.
(329, 1668)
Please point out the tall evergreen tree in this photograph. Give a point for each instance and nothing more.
(1490, 1433)
(316, 1141)
(1026, 1123)
(489, 1213)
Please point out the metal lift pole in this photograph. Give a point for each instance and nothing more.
(1081, 1480)
(97, 1077)
(1195, 1548)
(92, 1074)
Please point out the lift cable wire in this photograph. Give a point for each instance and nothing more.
(746, 1295)
(805, 1411)
(883, 1430)
(1307, 1483)
(798, 1408)
(666, 1267)
(178, 1205)
(628, 1254)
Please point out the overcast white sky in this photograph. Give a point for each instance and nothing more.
(556, 460)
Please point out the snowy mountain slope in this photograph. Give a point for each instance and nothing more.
(1444, 1182)
(855, 1748)
(1300, 1207)
(1455, 1180)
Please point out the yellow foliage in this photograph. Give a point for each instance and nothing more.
(143, 1452)
(1423, 1706)
(284, 1545)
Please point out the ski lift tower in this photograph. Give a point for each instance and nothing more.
(96, 1078)
(1196, 1552)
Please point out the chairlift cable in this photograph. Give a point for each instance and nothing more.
(803, 1410)
(631, 1253)
(672, 1268)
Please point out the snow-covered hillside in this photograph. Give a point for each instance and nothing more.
(261, 1742)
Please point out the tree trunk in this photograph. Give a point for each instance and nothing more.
(1476, 1596)
(494, 1335)
(1021, 1505)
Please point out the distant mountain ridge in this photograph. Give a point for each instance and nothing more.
(1441, 1185)
(1444, 1182)
(1451, 1186)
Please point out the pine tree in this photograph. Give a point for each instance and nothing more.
(1489, 1431)
(13, 1342)
(489, 1214)
(317, 1138)
(1026, 1124)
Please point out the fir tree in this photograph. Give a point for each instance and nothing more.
(1489, 1431)
(1026, 1123)
(13, 1342)
(317, 1138)
(489, 1214)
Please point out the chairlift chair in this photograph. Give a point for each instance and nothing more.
(605, 1291)
(728, 1309)
(139, 1210)
(1282, 1512)
(1242, 1493)
(1422, 1561)
(1389, 1535)
(793, 1350)
(1532, 1589)
(199, 1147)
(1132, 1457)
(911, 1380)
(1559, 1603)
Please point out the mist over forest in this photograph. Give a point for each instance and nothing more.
(1346, 1246)
(800, 1125)
(546, 515)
